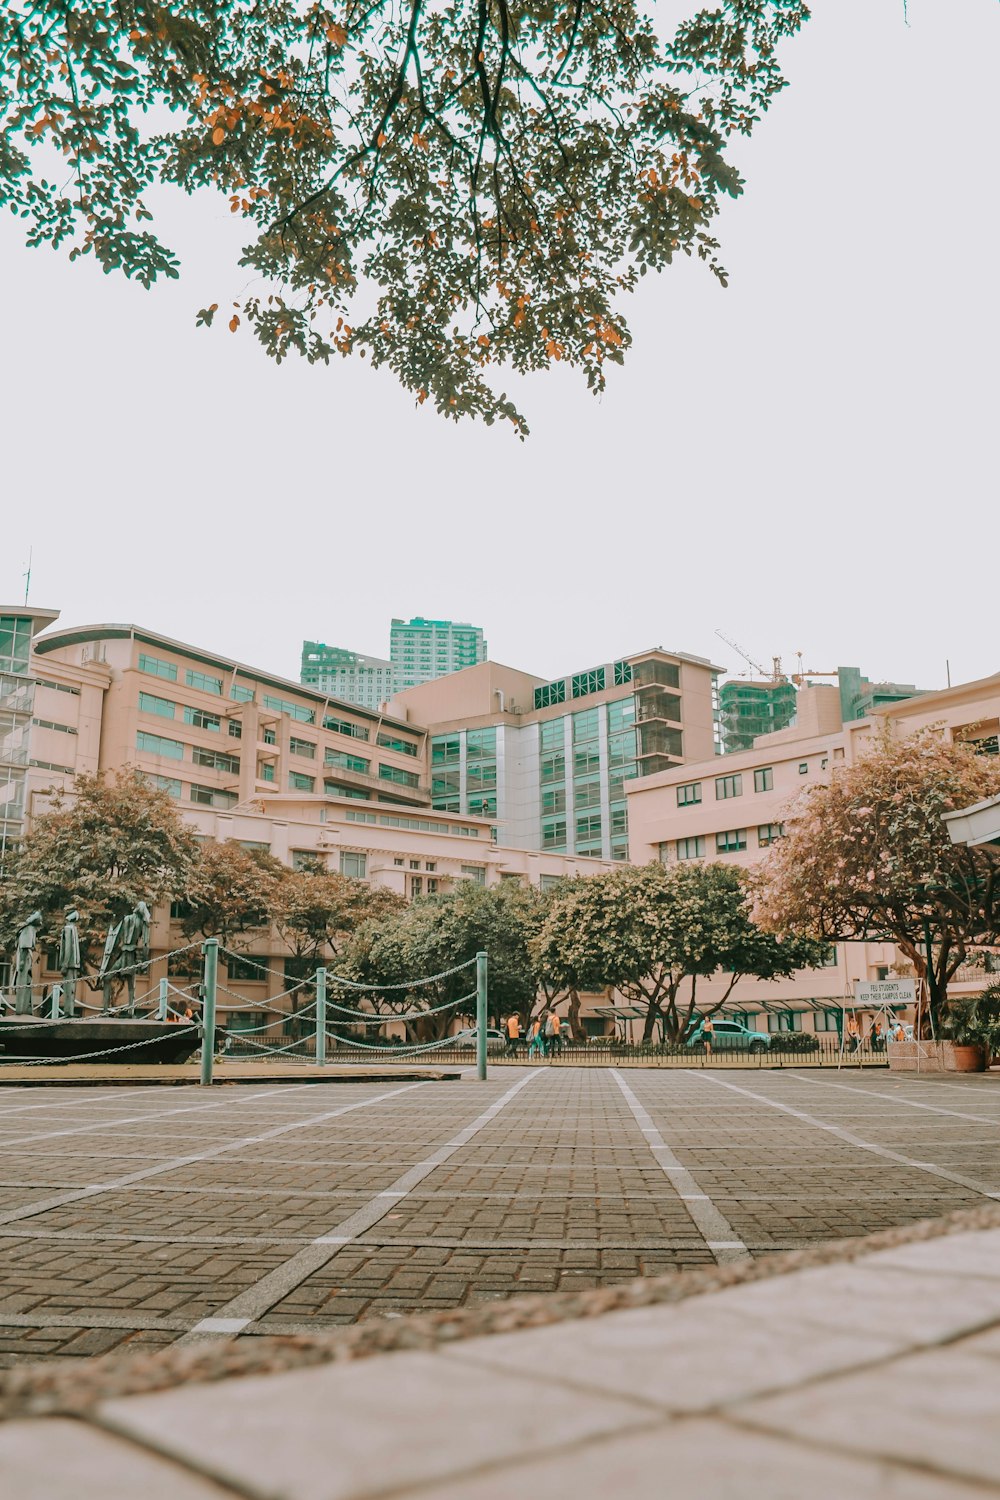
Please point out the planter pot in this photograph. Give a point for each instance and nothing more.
(936, 1057)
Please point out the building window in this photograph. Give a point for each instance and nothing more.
(416, 885)
(168, 784)
(155, 744)
(731, 842)
(623, 673)
(588, 830)
(728, 786)
(432, 886)
(334, 789)
(345, 726)
(345, 761)
(354, 864)
(399, 860)
(297, 782)
(397, 775)
(552, 692)
(269, 737)
(245, 971)
(156, 667)
(552, 767)
(216, 760)
(266, 771)
(784, 1020)
(305, 748)
(588, 682)
(689, 794)
(829, 959)
(553, 833)
(828, 1020)
(474, 872)
(235, 729)
(553, 801)
(768, 832)
(483, 806)
(803, 768)
(210, 796)
(255, 846)
(393, 742)
(414, 864)
(203, 682)
(621, 715)
(200, 719)
(693, 848)
(586, 725)
(446, 750)
(763, 780)
(240, 694)
(164, 708)
(296, 711)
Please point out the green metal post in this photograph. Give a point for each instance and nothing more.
(481, 975)
(56, 997)
(211, 952)
(161, 1014)
(320, 1018)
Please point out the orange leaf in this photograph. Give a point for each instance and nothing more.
(337, 35)
(234, 323)
(382, 138)
(218, 136)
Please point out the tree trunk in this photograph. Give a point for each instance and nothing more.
(653, 1014)
(576, 1026)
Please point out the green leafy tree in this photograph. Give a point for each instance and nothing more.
(483, 182)
(316, 912)
(652, 933)
(112, 842)
(869, 857)
(232, 894)
(439, 933)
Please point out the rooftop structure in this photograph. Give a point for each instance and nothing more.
(424, 649)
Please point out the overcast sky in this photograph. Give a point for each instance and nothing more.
(806, 461)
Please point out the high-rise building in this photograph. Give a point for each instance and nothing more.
(424, 649)
(549, 760)
(365, 680)
(748, 709)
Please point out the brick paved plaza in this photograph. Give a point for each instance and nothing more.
(137, 1217)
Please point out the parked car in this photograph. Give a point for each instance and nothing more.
(495, 1040)
(731, 1036)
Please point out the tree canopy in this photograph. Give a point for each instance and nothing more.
(869, 857)
(653, 932)
(444, 190)
(115, 842)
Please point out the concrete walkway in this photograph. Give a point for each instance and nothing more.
(873, 1374)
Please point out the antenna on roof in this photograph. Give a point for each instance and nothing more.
(27, 576)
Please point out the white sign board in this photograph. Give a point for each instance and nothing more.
(875, 993)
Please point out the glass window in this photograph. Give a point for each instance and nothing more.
(432, 885)
(552, 734)
(483, 806)
(588, 682)
(553, 801)
(803, 768)
(210, 796)
(552, 692)
(156, 667)
(332, 789)
(693, 848)
(828, 1020)
(393, 742)
(829, 959)
(245, 971)
(481, 775)
(299, 783)
(266, 771)
(203, 682)
(768, 832)
(619, 820)
(446, 750)
(235, 729)
(399, 776)
(763, 780)
(474, 872)
(15, 643)
(688, 795)
(150, 704)
(294, 710)
(416, 885)
(585, 725)
(553, 833)
(167, 784)
(216, 760)
(480, 743)
(617, 777)
(552, 768)
(200, 719)
(345, 726)
(155, 744)
(621, 748)
(305, 748)
(588, 828)
(354, 864)
(731, 842)
(241, 694)
(784, 1020)
(587, 792)
(586, 762)
(728, 786)
(623, 673)
(621, 715)
(345, 761)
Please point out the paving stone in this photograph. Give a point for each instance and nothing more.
(63, 1460)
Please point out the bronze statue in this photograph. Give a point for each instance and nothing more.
(69, 960)
(126, 950)
(27, 937)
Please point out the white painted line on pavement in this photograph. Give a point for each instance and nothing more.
(850, 1138)
(719, 1235)
(257, 1300)
(934, 1109)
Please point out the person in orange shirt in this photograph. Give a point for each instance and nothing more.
(513, 1030)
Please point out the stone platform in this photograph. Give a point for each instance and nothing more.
(869, 1368)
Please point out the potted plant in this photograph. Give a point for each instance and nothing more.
(972, 1027)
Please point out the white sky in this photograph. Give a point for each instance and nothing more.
(806, 461)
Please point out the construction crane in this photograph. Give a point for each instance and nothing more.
(775, 674)
(800, 676)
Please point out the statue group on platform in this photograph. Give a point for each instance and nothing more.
(126, 954)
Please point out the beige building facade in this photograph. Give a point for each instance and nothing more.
(733, 809)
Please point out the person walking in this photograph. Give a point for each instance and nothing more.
(535, 1044)
(513, 1030)
(707, 1034)
(556, 1042)
(853, 1032)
